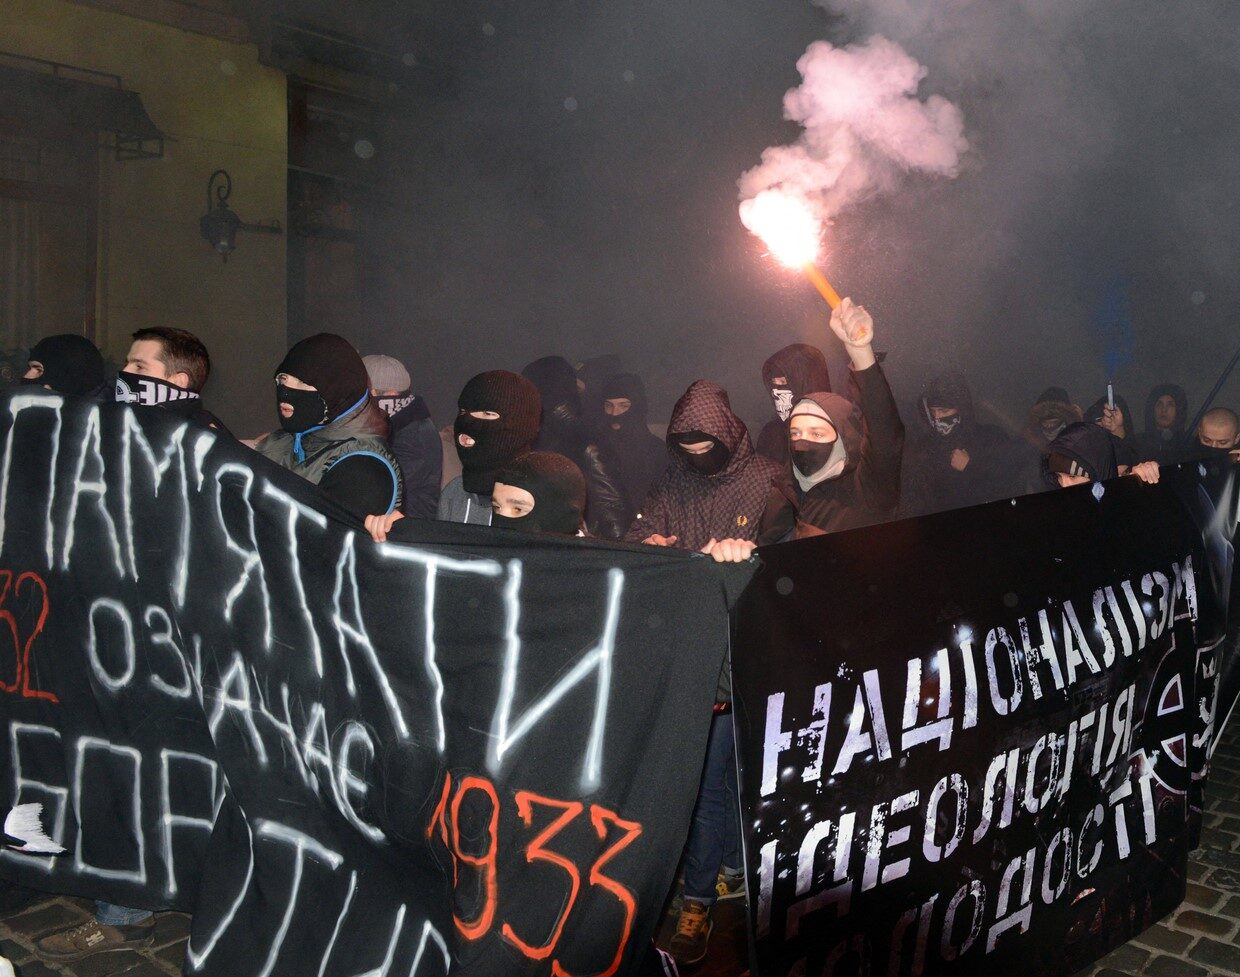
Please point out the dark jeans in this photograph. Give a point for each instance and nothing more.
(715, 836)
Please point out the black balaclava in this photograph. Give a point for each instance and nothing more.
(331, 365)
(628, 386)
(558, 488)
(708, 463)
(515, 399)
(72, 365)
(134, 388)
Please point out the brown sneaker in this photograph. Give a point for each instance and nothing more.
(94, 937)
(693, 928)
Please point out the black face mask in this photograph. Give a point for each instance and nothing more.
(309, 409)
(710, 462)
(809, 456)
(394, 405)
(134, 388)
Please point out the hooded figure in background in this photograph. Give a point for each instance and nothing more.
(1166, 417)
(540, 492)
(635, 455)
(414, 439)
(591, 374)
(496, 421)
(565, 432)
(67, 364)
(331, 432)
(844, 467)
(1050, 414)
(715, 484)
(794, 372)
(956, 462)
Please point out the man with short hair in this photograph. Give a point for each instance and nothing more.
(1219, 431)
(168, 368)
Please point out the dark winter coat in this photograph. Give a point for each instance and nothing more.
(930, 482)
(697, 508)
(868, 489)
(416, 445)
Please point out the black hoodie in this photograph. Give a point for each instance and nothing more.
(930, 482)
(1090, 446)
(867, 490)
(1155, 444)
(804, 369)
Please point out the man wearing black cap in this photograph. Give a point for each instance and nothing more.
(67, 364)
(331, 432)
(496, 421)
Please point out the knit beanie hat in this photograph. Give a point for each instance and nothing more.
(387, 373)
(558, 488)
(331, 365)
(72, 365)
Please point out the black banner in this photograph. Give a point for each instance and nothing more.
(470, 751)
(976, 740)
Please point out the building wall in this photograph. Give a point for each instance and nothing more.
(219, 108)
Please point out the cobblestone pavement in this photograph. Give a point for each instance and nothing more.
(1199, 939)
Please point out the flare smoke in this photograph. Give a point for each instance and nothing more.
(865, 128)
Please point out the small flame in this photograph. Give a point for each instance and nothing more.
(787, 225)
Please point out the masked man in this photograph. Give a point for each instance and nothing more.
(70, 365)
(497, 420)
(331, 432)
(789, 375)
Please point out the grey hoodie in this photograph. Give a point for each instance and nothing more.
(457, 505)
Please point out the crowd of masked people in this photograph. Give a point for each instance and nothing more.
(569, 451)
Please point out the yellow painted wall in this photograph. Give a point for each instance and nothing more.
(219, 108)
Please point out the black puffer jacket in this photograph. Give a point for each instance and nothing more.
(867, 490)
(931, 483)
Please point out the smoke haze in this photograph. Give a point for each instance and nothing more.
(575, 193)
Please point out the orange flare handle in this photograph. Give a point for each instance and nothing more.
(823, 286)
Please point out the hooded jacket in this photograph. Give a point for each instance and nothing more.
(867, 490)
(804, 368)
(1052, 405)
(930, 482)
(565, 432)
(696, 508)
(1090, 446)
(1154, 444)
